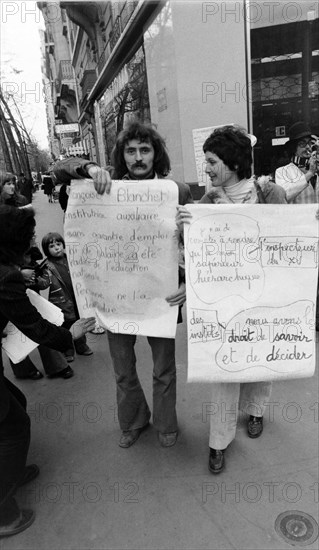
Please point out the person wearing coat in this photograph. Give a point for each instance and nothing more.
(36, 278)
(139, 154)
(61, 291)
(299, 177)
(228, 154)
(25, 186)
(54, 363)
(9, 193)
(48, 186)
(16, 231)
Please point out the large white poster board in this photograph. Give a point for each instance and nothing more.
(123, 254)
(251, 279)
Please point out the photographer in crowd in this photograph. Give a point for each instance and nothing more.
(299, 178)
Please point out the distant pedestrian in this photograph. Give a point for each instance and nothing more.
(48, 186)
(25, 186)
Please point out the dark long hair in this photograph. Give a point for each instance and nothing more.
(233, 146)
(13, 200)
(143, 133)
(16, 232)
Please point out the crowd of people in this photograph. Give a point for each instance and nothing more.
(139, 154)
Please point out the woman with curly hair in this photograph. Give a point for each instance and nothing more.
(228, 154)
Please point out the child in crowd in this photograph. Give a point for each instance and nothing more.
(36, 277)
(61, 291)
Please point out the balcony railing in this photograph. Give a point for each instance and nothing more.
(65, 70)
(116, 32)
(119, 25)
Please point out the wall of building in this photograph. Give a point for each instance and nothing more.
(196, 76)
(159, 46)
(54, 26)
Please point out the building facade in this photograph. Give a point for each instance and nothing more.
(185, 66)
(59, 84)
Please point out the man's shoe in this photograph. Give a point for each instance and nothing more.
(167, 440)
(216, 462)
(30, 472)
(69, 355)
(85, 351)
(65, 373)
(35, 375)
(24, 520)
(129, 437)
(255, 426)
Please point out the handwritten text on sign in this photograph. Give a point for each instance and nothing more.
(122, 252)
(251, 291)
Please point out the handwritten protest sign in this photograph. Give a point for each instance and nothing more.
(251, 279)
(123, 254)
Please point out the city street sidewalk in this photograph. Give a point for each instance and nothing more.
(93, 495)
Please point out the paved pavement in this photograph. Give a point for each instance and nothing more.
(91, 494)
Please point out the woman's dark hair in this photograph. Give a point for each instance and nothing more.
(13, 200)
(6, 177)
(16, 232)
(233, 146)
(48, 239)
(143, 133)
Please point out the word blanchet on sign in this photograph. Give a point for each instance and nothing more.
(122, 250)
(251, 280)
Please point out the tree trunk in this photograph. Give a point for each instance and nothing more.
(24, 159)
(5, 149)
(13, 148)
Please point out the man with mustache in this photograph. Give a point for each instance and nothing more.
(139, 153)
